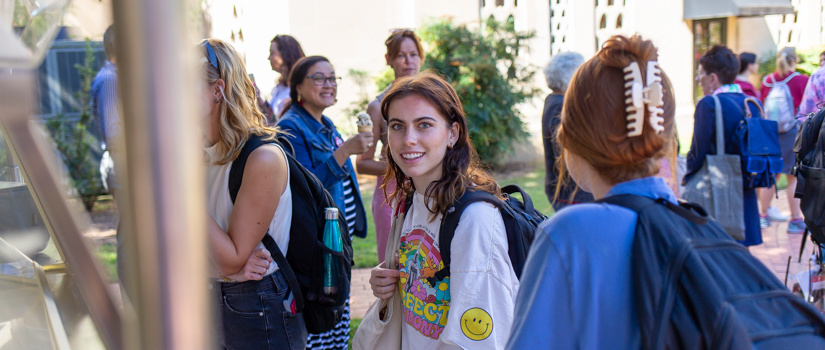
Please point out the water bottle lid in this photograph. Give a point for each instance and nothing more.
(331, 213)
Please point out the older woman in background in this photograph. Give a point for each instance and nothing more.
(405, 56)
(313, 87)
(558, 74)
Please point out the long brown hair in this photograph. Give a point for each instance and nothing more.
(460, 168)
(593, 119)
(291, 51)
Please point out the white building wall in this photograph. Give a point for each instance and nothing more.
(350, 34)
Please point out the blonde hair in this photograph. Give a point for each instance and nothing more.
(239, 114)
(785, 59)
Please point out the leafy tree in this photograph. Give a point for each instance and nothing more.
(486, 72)
(74, 140)
(361, 79)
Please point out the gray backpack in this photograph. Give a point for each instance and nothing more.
(779, 103)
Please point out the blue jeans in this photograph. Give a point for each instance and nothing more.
(253, 315)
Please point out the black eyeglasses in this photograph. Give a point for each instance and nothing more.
(210, 54)
(319, 79)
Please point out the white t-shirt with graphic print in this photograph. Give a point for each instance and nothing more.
(471, 309)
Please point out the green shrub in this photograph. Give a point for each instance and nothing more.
(486, 72)
(74, 140)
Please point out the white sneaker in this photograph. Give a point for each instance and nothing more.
(775, 215)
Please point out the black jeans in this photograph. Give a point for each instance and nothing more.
(253, 315)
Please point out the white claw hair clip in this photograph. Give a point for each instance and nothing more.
(638, 94)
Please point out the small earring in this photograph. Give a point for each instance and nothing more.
(217, 100)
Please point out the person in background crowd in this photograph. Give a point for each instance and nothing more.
(748, 66)
(717, 72)
(251, 290)
(405, 56)
(558, 74)
(313, 86)
(814, 96)
(284, 51)
(786, 61)
(577, 285)
(105, 106)
(433, 162)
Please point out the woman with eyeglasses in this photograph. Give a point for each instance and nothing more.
(319, 147)
(249, 288)
(405, 55)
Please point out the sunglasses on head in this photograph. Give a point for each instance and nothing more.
(210, 54)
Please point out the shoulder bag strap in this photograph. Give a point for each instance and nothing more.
(720, 128)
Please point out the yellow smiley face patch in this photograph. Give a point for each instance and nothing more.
(476, 324)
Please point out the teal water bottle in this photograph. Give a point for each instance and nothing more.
(332, 239)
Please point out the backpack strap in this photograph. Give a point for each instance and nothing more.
(238, 165)
(235, 177)
(449, 222)
(691, 212)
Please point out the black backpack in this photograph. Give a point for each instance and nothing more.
(810, 172)
(303, 266)
(697, 288)
(520, 221)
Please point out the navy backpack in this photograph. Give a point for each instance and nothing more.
(697, 288)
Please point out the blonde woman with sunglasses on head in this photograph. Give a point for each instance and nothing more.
(251, 290)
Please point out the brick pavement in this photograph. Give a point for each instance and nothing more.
(777, 246)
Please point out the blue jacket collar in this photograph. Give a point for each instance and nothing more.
(653, 187)
(313, 124)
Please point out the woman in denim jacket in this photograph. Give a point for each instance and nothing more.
(321, 149)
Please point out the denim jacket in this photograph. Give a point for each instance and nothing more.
(314, 144)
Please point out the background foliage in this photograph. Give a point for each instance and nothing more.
(485, 71)
(74, 139)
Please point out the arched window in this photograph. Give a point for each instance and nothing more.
(609, 2)
(795, 16)
(515, 3)
(619, 21)
(483, 3)
(603, 22)
(499, 3)
(790, 35)
(597, 3)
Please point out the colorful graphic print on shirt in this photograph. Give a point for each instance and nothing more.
(425, 306)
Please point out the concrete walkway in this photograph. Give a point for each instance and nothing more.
(777, 246)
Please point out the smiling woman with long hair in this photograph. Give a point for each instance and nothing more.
(433, 163)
